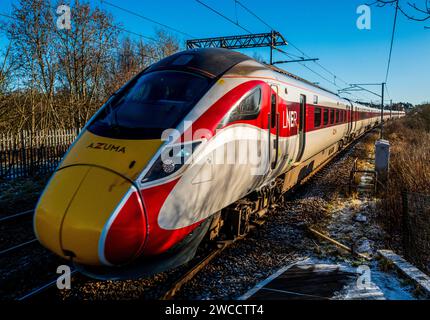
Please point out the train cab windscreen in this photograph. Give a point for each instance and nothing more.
(150, 104)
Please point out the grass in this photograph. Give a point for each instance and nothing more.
(409, 139)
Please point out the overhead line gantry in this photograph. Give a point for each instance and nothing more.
(271, 39)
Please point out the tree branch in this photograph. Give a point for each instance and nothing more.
(424, 12)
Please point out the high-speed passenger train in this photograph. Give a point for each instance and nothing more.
(142, 184)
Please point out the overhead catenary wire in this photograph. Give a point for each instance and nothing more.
(239, 3)
(289, 42)
(111, 25)
(146, 18)
(134, 33)
(315, 72)
(228, 19)
(253, 14)
(6, 15)
(392, 41)
(335, 77)
(223, 16)
(289, 56)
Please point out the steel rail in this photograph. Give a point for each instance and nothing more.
(16, 215)
(16, 247)
(41, 288)
(191, 273)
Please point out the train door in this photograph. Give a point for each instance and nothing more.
(273, 127)
(348, 118)
(302, 127)
(352, 118)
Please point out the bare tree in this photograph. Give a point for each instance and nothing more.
(84, 54)
(5, 80)
(167, 45)
(5, 70)
(134, 56)
(412, 11)
(124, 65)
(57, 78)
(31, 36)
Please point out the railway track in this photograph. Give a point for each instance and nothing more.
(17, 247)
(7, 221)
(192, 272)
(15, 216)
(22, 257)
(183, 278)
(40, 289)
(49, 289)
(322, 169)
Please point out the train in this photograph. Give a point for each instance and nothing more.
(165, 164)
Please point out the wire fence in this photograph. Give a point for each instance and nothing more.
(416, 228)
(26, 153)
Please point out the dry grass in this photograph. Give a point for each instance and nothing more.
(409, 166)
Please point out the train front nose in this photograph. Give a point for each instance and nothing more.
(93, 215)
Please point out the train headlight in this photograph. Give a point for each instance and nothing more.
(172, 158)
(169, 166)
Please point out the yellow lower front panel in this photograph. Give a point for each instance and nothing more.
(98, 196)
(54, 203)
(75, 208)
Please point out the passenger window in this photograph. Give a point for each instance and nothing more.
(247, 109)
(337, 116)
(317, 117)
(332, 116)
(325, 116)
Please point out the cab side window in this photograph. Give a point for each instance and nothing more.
(247, 109)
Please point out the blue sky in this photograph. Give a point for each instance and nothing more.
(323, 29)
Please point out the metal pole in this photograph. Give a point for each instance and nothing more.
(272, 44)
(391, 107)
(271, 55)
(382, 108)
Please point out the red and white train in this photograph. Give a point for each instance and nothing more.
(121, 205)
